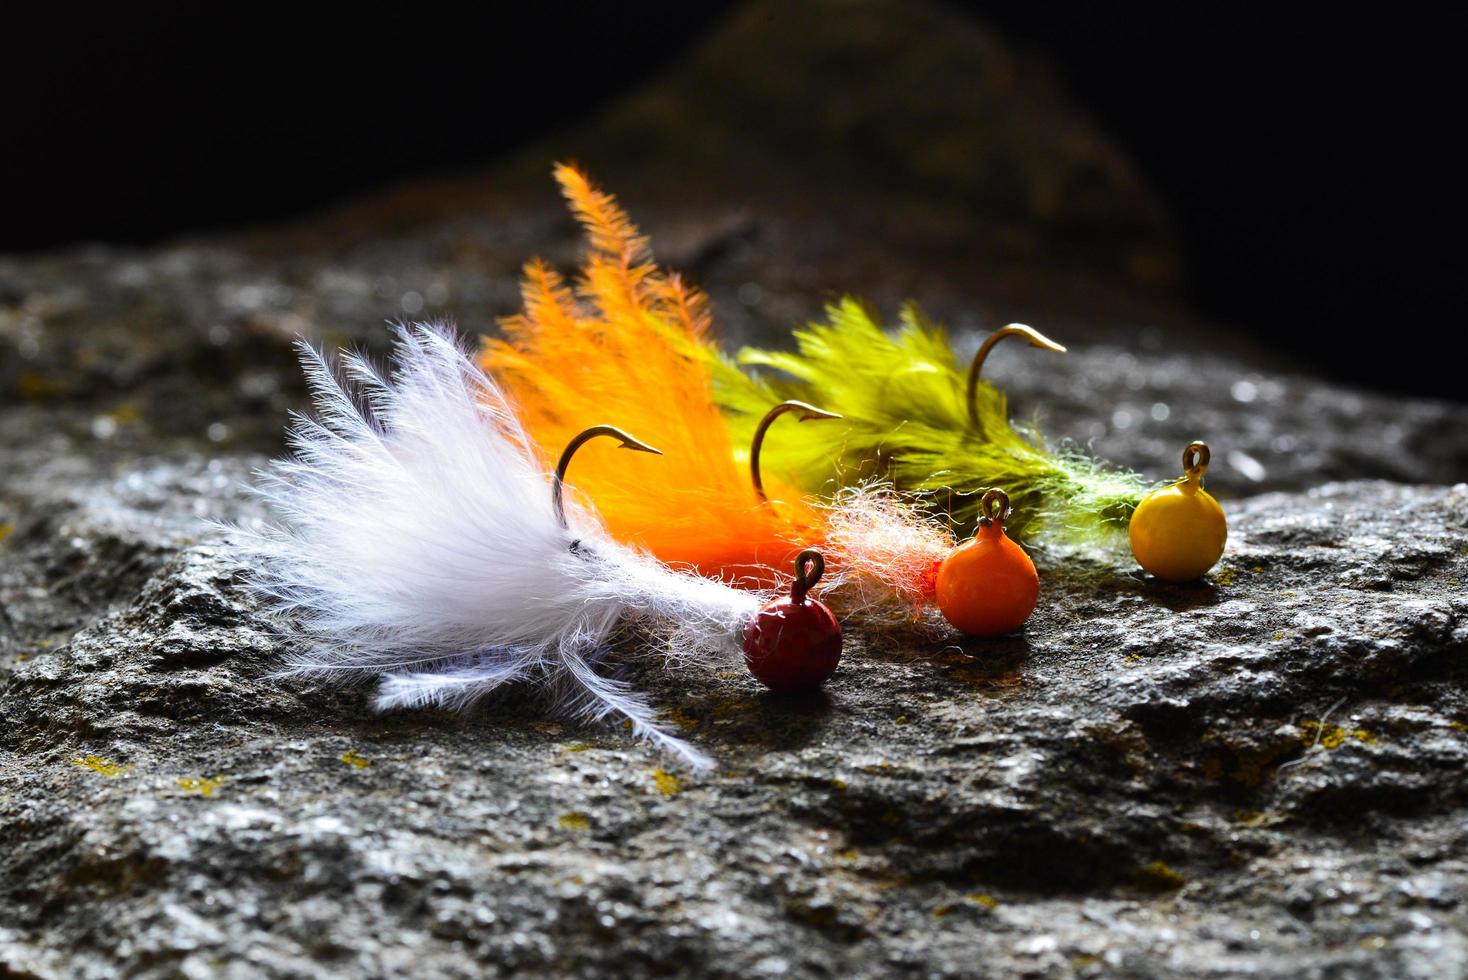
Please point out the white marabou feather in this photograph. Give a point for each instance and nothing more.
(416, 539)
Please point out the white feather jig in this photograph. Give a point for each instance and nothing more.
(419, 540)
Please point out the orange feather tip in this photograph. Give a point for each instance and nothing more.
(630, 348)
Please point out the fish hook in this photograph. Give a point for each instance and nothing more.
(1036, 339)
(627, 441)
(807, 413)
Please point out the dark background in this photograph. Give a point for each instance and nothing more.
(1309, 161)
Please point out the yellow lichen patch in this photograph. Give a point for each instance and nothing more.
(1160, 876)
(203, 785)
(1257, 569)
(574, 821)
(100, 765)
(351, 758)
(987, 901)
(900, 720)
(1250, 764)
(837, 783)
(1332, 736)
(1131, 661)
(125, 413)
(941, 910)
(731, 708)
(683, 719)
(1458, 726)
(849, 854)
(7, 528)
(1257, 818)
(1279, 634)
(578, 747)
(666, 782)
(35, 386)
(1225, 575)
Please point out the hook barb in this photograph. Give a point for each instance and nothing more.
(808, 413)
(580, 439)
(1036, 339)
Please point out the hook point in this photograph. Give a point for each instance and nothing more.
(640, 447)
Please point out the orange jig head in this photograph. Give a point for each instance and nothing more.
(988, 585)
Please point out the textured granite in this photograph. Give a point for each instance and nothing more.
(1261, 775)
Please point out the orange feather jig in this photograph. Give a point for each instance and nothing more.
(631, 342)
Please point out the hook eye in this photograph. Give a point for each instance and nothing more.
(1195, 458)
(810, 565)
(1036, 339)
(994, 506)
(581, 439)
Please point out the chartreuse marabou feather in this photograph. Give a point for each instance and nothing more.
(904, 401)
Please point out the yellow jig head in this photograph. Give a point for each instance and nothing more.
(1178, 531)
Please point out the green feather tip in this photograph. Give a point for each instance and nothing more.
(903, 399)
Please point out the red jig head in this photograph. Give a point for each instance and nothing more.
(988, 585)
(794, 643)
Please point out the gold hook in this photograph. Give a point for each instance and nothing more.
(994, 506)
(1036, 339)
(1195, 460)
(807, 413)
(628, 442)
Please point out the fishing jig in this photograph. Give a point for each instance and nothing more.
(414, 541)
(911, 416)
(988, 585)
(794, 643)
(632, 341)
(1178, 531)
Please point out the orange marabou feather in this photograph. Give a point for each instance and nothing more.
(629, 347)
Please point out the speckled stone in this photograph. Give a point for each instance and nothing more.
(1258, 775)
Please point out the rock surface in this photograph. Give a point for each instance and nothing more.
(1260, 775)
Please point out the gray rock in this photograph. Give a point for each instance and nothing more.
(1259, 775)
(1140, 782)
